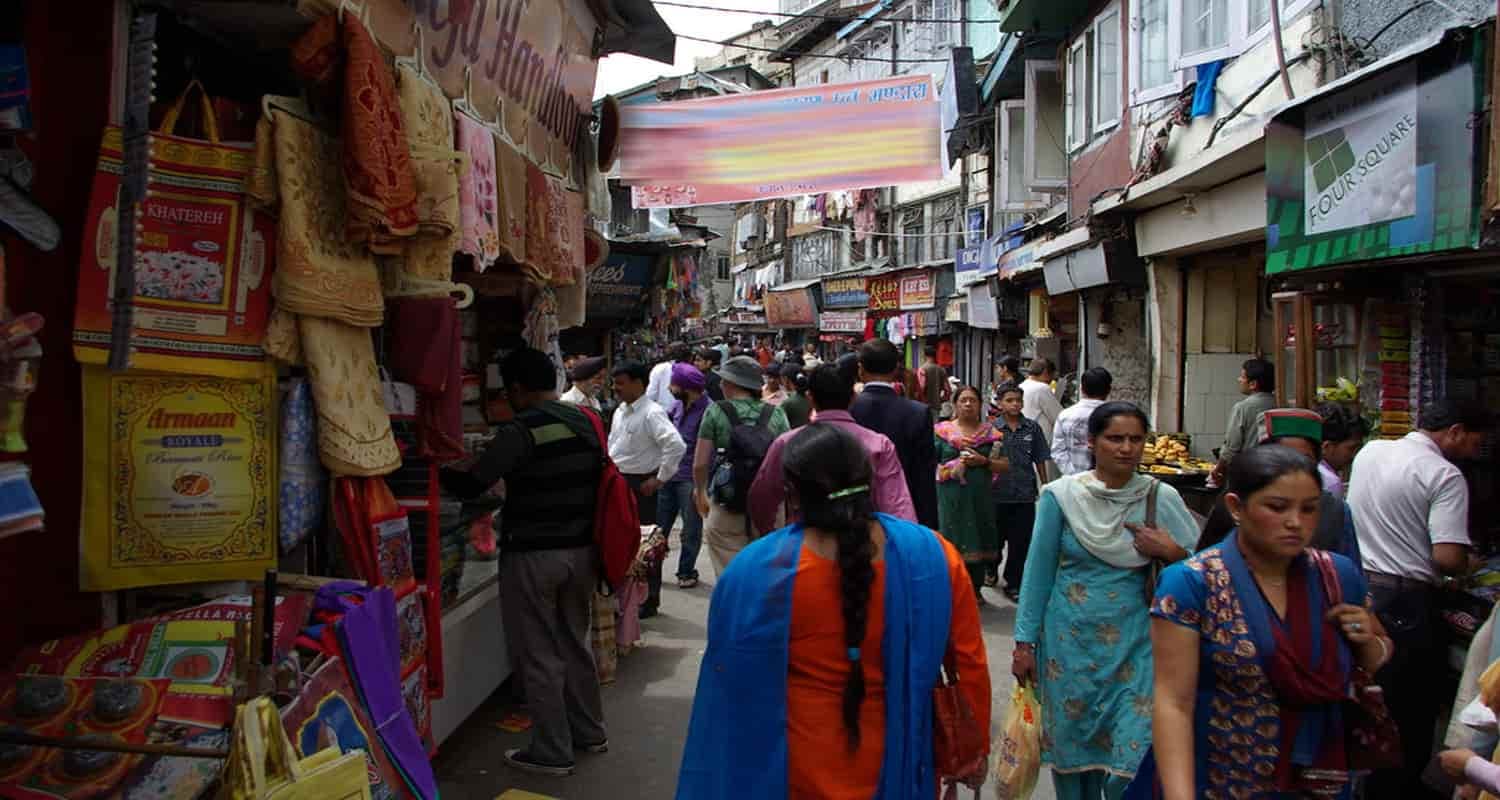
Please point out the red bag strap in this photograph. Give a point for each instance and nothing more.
(1333, 588)
(598, 423)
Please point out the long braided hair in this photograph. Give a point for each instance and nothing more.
(820, 461)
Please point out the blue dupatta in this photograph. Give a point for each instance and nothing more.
(736, 746)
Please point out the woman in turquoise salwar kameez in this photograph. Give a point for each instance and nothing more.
(1083, 630)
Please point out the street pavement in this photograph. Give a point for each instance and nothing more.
(647, 709)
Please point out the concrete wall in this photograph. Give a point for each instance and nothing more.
(1212, 381)
(1164, 293)
(1125, 351)
(1361, 19)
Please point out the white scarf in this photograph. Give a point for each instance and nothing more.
(1096, 514)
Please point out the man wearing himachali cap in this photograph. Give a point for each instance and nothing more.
(1300, 430)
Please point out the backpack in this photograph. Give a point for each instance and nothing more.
(617, 529)
(740, 461)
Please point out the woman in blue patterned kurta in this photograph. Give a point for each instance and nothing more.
(1083, 632)
(1258, 638)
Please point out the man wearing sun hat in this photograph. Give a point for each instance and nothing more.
(725, 531)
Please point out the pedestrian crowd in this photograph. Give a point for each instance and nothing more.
(854, 513)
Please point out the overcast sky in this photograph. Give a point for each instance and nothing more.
(620, 72)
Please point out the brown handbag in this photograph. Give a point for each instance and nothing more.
(960, 747)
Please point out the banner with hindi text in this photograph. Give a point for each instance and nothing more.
(785, 142)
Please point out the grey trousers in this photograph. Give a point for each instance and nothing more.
(546, 597)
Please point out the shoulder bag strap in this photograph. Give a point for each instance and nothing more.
(1333, 588)
(1151, 503)
(765, 415)
(728, 409)
(598, 423)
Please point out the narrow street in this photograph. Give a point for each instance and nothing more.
(647, 709)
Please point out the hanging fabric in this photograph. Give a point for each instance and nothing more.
(322, 273)
(478, 194)
(512, 173)
(354, 431)
(344, 62)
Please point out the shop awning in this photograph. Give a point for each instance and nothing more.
(1006, 77)
(791, 286)
(635, 27)
(1053, 16)
(863, 18)
(800, 35)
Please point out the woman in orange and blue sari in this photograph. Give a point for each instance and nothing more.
(1254, 653)
(825, 640)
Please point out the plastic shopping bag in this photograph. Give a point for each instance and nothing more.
(1018, 758)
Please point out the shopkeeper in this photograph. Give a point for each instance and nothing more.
(1411, 508)
(1258, 384)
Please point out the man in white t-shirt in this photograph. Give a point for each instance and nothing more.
(659, 385)
(1038, 402)
(1411, 512)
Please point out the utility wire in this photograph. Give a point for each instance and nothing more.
(792, 15)
(817, 55)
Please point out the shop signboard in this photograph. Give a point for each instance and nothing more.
(1017, 260)
(885, 293)
(694, 152)
(791, 309)
(851, 322)
(982, 311)
(924, 323)
(1381, 166)
(531, 59)
(974, 226)
(747, 319)
(957, 309)
(616, 286)
(918, 291)
(845, 293)
(967, 266)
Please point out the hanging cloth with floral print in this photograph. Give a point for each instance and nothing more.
(478, 200)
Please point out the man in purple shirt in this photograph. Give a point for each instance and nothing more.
(830, 394)
(676, 497)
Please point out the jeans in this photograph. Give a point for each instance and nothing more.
(677, 498)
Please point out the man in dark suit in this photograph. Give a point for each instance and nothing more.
(906, 422)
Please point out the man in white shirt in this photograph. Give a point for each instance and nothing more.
(1070, 438)
(1038, 403)
(659, 388)
(1411, 512)
(643, 442)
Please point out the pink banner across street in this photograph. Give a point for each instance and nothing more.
(781, 143)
